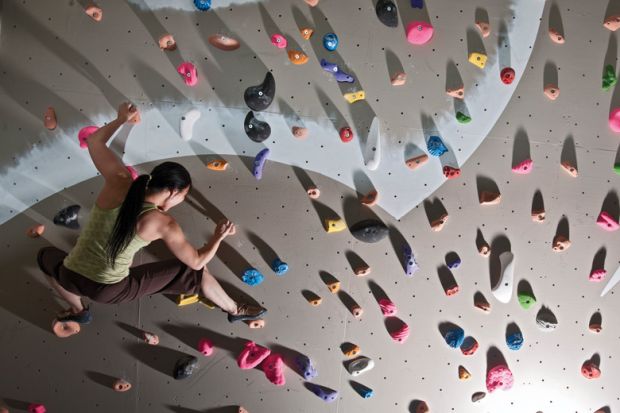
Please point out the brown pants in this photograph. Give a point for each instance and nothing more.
(166, 277)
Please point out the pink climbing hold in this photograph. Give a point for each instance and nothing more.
(499, 377)
(189, 73)
(36, 408)
(401, 334)
(419, 32)
(133, 172)
(205, 346)
(252, 355)
(279, 41)
(274, 369)
(524, 167)
(614, 120)
(596, 276)
(606, 222)
(388, 308)
(84, 133)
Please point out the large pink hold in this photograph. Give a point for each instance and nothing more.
(274, 369)
(84, 133)
(252, 355)
(596, 276)
(419, 32)
(499, 377)
(36, 408)
(388, 308)
(189, 73)
(205, 346)
(279, 41)
(401, 334)
(614, 120)
(606, 222)
(524, 167)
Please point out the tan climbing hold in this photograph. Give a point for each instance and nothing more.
(458, 93)
(121, 385)
(312, 3)
(299, 132)
(595, 328)
(353, 97)
(481, 303)
(297, 58)
(335, 225)
(183, 299)
(49, 118)
(313, 192)
(422, 407)
(538, 216)
(315, 301)
(552, 91)
(217, 165)
(254, 324)
(357, 311)
(167, 42)
(334, 286)
(399, 79)
(416, 161)
(612, 23)
(489, 198)
(484, 250)
(362, 271)
(478, 59)
(572, 171)
(35, 231)
(463, 373)
(485, 28)
(556, 36)
(352, 350)
(306, 33)
(94, 12)
(370, 199)
(150, 338)
(560, 243)
(224, 42)
(437, 225)
(243, 410)
(64, 329)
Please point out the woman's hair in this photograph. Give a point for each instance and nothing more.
(165, 176)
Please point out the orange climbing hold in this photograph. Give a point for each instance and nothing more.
(217, 165)
(315, 301)
(451, 291)
(437, 225)
(94, 12)
(334, 286)
(484, 27)
(450, 172)
(612, 23)
(552, 91)
(64, 329)
(35, 231)
(297, 58)
(463, 373)
(222, 42)
(299, 132)
(166, 42)
(556, 36)
(306, 33)
(121, 385)
(350, 350)
(362, 271)
(49, 118)
(484, 249)
(572, 170)
(458, 93)
(371, 198)
(415, 162)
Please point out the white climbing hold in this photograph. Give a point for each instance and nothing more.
(503, 290)
(372, 152)
(360, 365)
(187, 124)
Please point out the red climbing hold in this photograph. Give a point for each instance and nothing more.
(346, 134)
(313, 192)
(401, 334)
(524, 167)
(205, 346)
(273, 366)
(388, 308)
(84, 133)
(419, 32)
(612, 23)
(279, 41)
(507, 75)
(189, 73)
(36, 408)
(451, 172)
(252, 355)
(589, 370)
(454, 290)
(614, 120)
(607, 222)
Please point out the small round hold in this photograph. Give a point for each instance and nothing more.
(299, 132)
(330, 41)
(507, 75)
(556, 36)
(94, 12)
(167, 42)
(223, 42)
(35, 231)
(121, 385)
(150, 338)
(279, 41)
(314, 192)
(552, 92)
(64, 329)
(346, 134)
(357, 311)
(256, 323)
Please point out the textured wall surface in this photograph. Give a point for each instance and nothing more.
(52, 54)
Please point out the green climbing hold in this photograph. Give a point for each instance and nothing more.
(617, 168)
(609, 78)
(526, 300)
(462, 118)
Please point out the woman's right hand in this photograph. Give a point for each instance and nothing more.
(127, 111)
(224, 228)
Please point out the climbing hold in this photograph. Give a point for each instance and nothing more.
(450, 172)
(256, 130)
(436, 146)
(538, 215)
(330, 42)
(279, 41)
(464, 374)
(387, 13)
(335, 225)
(597, 275)
(35, 231)
(84, 133)
(353, 97)
(454, 337)
(590, 370)
(49, 119)
(315, 300)
(306, 33)
(36, 408)
(612, 22)
(499, 377)
(305, 366)
(365, 392)
(458, 93)
(595, 328)
(372, 149)
(273, 366)
(417, 4)
(507, 75)
(369, 231)
(313, 192)
(546, 320)
(150, 338)
(526, 300)
(453, 261)
(333, 286)
(279, 267)
(484, 249)
(185, 299)
(362, 270)
(503, 289)
(189, 73)
(484, 27)
(556, 36)
(312, 3)
(242, 410)
(489, 198)
(523, 168)
(411, 266)
(514, 341)
(398, 79)
(328, 395)
(476, 397)
(607, 222)
(187, 124)
(360, 365)
(481, 302)
(469, 346)
(572, 170)
(617, 169)
(614, 120)
(370, 199)
(419, 32)
(260, 323)
(205, 346)
(422, 407)
(252, 277)
(185, 367)
(217, 165)
(478, 59)
(252, 355)
(223, 42)
(299, 132)
(357, 311)
(121, 385)
(335, 70)
(416, 161)
(202, 5)
(259, 97)
(167, 42)
(350, 349)
(609, 77)
(462, 118)
(64, 329)
(560, 243)
(346, 134)
(552, 91)
(297, 57)
(68, 217)
(437, 225)
(388, 308)
(94, 12)
(452, 290)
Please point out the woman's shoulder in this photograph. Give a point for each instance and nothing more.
(152, 224)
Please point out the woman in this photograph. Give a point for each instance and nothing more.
(127, 216)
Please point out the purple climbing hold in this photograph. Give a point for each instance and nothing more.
(324, 393)
(411, 266)
(339, 75)
(417, 4)
(305, 366)
(259, 163)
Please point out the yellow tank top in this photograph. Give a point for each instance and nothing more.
(88, 257)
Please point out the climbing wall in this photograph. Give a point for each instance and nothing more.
(54, 55)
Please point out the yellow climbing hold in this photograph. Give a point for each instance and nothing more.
(183, 299)
(335, 225)
(478, 59)
(463, 373)
(355, 96)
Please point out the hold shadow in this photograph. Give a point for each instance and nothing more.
(324, 212)
(190, 335)
(331, 110)
(596, 319)
(399, 243)
(486, 184)
(494, 358)
(611, 204)
(550, 75)
(393, 63)
(524, 287)
(267, 253)
(434, 209)
(377, 292)
(134, 331)
(503, 46)
(499, 245)
(569, 154)
(233, 259)
(563, 228)
(101, 379)
(555, 19)
(272, 28)
(538, 203)
(159, 358)
(446, 278)
(453, 76)
(303, 178)
(598, 263)
(348, 301)
(289, 356)
(474, 42)
(310, 295)
(355, 261)
(512, 328)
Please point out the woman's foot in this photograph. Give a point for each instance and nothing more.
(246, 312)
(82, 317)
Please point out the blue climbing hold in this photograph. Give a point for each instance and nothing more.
(305, 366)
(330, 41)
(436, 146)
(455, 337)
(455, 263)
(324, 393)
(203, 5)
(259, 163)
(279, 267)
(514, 341)
(411, 266)
(252, 277)
(362, 390)
(417, 4)
(337, 72)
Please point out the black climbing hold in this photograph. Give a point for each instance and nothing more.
(256, 130)
(370, 231)
(185, 367)
(387, 12)
(68, 217)
(259, 97)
